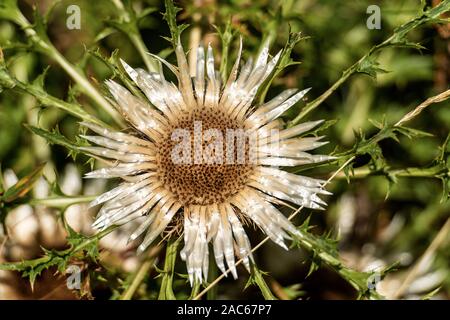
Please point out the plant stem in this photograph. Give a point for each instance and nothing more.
(47, 48)
(166, 290)
(261, 283)
(435, 99)
(61, 202)
(149, 62)
(141, 274)
(135, 36)
(30, 264)
(213, 274)
(8, 81)
(432, 172)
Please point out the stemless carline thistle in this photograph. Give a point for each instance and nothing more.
(207, 198)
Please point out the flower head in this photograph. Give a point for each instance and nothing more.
(202, 159)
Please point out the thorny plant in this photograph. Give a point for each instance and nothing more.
(322, 249)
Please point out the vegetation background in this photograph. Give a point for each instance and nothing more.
(387, 223)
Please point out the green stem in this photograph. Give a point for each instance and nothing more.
(258, 278)
(92, 239)
(47, 48)
(213, 274)
(135, 36)
(143, 271)
(195, 290)
(318, 247)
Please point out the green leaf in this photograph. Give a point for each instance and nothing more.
(256, 278)
(226, 36)
(39, 81)
(370, 67)
(166, 289)
(76, 239)
(33, 272)
(324, 250)
(398, 38)
(40, 25)
(113, 63)
(33, 268)
(413, 133)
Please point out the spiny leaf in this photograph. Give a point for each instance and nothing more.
(166, 291)
(33, 268)
(226, 36)
(41, 42)
(398, 38)
(256, 278)
(80, 244)
(431, 294)
(34, 272)
(76, 239)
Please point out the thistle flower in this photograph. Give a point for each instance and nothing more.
(172, 162)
